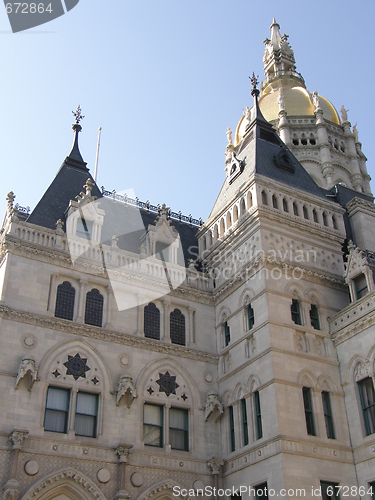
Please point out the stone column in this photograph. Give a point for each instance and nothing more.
(81, 300)
(52, 294)
(109, 303)
(17, 437)
(167, 333)
(191, 339)
(215, 464)
(283, 127)
(356, 175)
(123, 451)
(140, 315)
(324, 148)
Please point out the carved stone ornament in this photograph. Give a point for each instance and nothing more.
(360, 372)
(126, 390)
(27, 369)
(11, 489)
(17, 437)
(76, 366)
(213, 407)
(123, 451)
(235, 167)
(214, 464)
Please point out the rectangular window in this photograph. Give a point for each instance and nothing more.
(153, 425)
(226, 333)
(366, 392)
(84, 228)
(314, 317)
(231, 429)
(258, 416)
(261, 492)
(244, 422)
(329, 490)
(86, 414)
(57, 407)
(306, 392)
(295, 311)
(178, 429)
(250, 316)
(360, 286)
(328, 415)
(371, 490)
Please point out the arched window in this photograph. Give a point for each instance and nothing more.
(285, 205)
(65, 301)
(249, 200)
(315, 215)
(242, 207)
(222, 227)
(295, 312)
(325, 220)
(94, 308)
(295, 209)
(334, 222)
(305, 213)
(177, 327)
(229, 220)
(152, 321)
(235, 214)
(264, 198)
(216, 232)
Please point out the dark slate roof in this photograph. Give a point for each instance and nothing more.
(263, 152)
(67, 184)
(125, 222)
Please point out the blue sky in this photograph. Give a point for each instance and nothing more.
(164, 79)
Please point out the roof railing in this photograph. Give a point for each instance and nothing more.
(146, 205)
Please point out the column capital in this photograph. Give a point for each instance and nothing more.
(215, 464)
(17, 437)
(123, 451)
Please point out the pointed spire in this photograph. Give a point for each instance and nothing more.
(256, 114)
(275, 34)
(75, 154)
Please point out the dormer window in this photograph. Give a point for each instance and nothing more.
(84, 228)
(360, 284)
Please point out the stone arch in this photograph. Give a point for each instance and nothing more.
(183, 378)
(223, 314)
(235, 214)
(246, 297)
(325, 382)
(222, 226)
(69, 482)
(48, 362)
(228, 398)
(240, 391)
(306, 379)
(160, 489)
(253, 383)
(249, 199)
(314, 296)
(242, 207)
(294, 290)
(355, 368)
(229, 220)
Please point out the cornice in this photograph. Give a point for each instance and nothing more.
(106, 335)
(359, 205)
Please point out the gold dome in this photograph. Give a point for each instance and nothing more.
(298, 103)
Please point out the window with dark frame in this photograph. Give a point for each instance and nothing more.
(328, 415)
(329, 490)
(65, 295)
(231, 429)
(57, 410)
(152, 321)
(314, 317)
(94, 308)
(295, 312)
(367, 397)
(177, 327)
(306, 393)
(295, 209)
(258, 416)
(371, 489)
(178, 429)
(250, 317)
(285, 205)
(84, 228)
(305, 213)
(153, 425)
(245, 429)
(261, 491)
(85, 422)
(226, 334)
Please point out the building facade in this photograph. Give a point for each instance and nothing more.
(145, 353)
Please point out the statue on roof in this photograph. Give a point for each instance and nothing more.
(355, 132)
(344, 114)
(281, 100)
(78, 114)
(315, 100)
(229, 136)
(247, 114)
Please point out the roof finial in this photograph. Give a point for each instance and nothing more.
(254, 83)
(78, 114)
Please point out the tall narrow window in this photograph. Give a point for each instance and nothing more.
(178, 429)
(329, 490)
(177, 327)
(94, 308)
(261, 492)
(226, 334)
(360, 284)
(305, 213)
(306, 392)
(65, 301)
(264, 198)
(153, 425)
(258, 416)
(274, 201)
(285, 205)
(295, 312)
(315, 215)
(295, 209)
(325, 220)
(57, 407)
(314, 317)
(367, 395)
(328, 415)
(250, 317)
(86, 414)
(245, 429)
(152, 321)
(231, 429)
